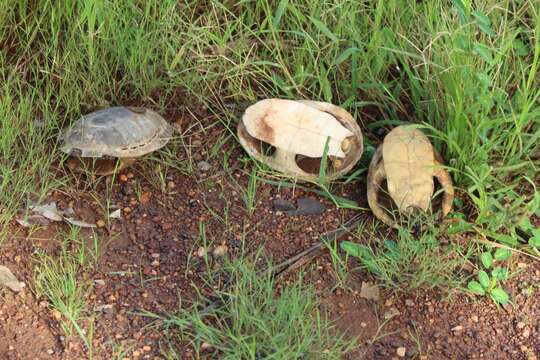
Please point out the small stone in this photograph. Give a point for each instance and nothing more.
(363, 324)
(520, 325)
(457, 328)
(123, 178)
(310, 206)
(201, 252)
(401, 351)
(130, 175)
(171, 185)
(56, 315)
(145, 197)
(100, 282)
(369, 291)
(283, 205)
(220, 250)
(392, 312)
(136, 353)
(100, 223)
(50, 351)
(205, 346)
(155, 263)
(127, 209)
(146, 348)
(526, 333)
(474, 318)
(409, 302)
(203, 166)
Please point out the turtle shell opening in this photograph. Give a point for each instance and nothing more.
(99, 166)
(391, 208)
(261, 147)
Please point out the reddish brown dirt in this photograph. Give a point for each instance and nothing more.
(148, 262)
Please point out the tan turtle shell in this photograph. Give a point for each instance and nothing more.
(300, 131)
(122, 132)
(117, 132)
(408, 162)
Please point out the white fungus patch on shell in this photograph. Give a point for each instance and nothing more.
(122, 132)
(296, 127)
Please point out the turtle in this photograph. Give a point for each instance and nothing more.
(408, 162)
(291, 136)
(120, 132)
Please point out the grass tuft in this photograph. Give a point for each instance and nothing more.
(253, 322)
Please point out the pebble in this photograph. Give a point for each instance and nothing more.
(123, 178)
(401, 351)
(127, 209)
(146, 348)
(203, 166)
(391, 313)
(145, 197)
(474, 318)
(100, 223)
(201, 252)
(220, 250)
(56, 314)
(409, 302)
(457, 328)
(171, 185)
(520, 325)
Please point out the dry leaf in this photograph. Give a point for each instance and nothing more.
(32, 220)
(79, 223)
(48, 211)
(116, 214)
(8, 279)
(369, 291)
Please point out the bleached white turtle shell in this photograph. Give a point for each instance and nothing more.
(299, 131)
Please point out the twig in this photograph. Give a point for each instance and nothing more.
(300, 259)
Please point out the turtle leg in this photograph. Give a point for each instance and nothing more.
(446, 182)
(125, 162)
(113, 167)
(376, 175)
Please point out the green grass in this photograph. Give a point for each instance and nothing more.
(463, 71)
(415, 261)
(58, 278)
(253, 322)
(468, 72)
